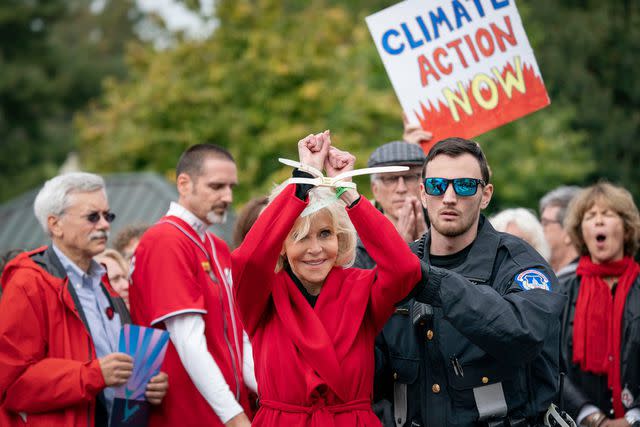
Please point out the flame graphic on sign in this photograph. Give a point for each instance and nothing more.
(439, 119)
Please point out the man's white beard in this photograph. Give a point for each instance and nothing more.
(214, 218)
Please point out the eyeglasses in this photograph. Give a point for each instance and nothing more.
(94, 217)
(547, 222)
(409, 179)
(464, 187)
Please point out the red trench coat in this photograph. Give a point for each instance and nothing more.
(315, 366)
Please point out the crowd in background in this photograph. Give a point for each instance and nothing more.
(588, 237)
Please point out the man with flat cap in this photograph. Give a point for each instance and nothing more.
(397, 194)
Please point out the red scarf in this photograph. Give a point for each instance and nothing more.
(597, 327)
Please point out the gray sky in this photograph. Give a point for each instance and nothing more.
(178, 18)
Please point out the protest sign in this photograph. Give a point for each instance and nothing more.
(147, 346)
(459, 67)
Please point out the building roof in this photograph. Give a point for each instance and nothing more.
(135, 197)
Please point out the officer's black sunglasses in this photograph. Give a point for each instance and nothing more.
(464, 187)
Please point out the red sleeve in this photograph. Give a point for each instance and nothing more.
(255, 260)
(165, 277)
(397, 269)
(29, 380)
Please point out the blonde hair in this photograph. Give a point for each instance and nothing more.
(114, 255)
(617, 199)
(340, 221)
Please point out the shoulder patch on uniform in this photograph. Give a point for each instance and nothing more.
(533, 279)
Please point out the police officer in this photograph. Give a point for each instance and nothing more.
(478, 343)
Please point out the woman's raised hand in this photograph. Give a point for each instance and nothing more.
(313, 149)
(338, 161)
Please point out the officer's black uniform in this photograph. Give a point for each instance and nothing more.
(479, 327)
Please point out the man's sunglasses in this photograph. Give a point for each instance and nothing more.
(464, 187)
(94, 217)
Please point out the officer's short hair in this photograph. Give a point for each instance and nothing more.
(454, 147)
(53, 198)
(560, 197)
(192, 159)
(617, 199)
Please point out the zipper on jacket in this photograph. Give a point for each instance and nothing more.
(212, 277)
(90, 359)
(235, 338)
(75, 313)
(223, 288)
(230, 348)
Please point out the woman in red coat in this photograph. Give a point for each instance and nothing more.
(313, 321)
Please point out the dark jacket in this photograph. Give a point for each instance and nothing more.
(45, 344)
(567, 271)
(363, 259)
(480, 327)
(584, 387)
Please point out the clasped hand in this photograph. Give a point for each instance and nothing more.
(411, 224)
(316, 151)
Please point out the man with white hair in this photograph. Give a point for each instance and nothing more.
(182, 281)
(397, 194)
(522, 223)
(60, 319)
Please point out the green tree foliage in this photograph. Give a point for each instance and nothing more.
(275, 71)
(267, 78)
(91, 46)
(533, 155)
(54, 55)
(27, 98)
(588, 53)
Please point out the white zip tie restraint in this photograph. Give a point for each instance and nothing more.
(336, 181)
(324, 181)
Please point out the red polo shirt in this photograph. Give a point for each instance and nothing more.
(175, 272)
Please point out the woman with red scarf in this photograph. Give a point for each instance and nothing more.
(601, 325)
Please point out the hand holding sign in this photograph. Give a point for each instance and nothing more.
(116, 368)
(145, 384)
(157, 388)
(414, 134)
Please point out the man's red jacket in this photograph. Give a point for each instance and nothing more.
(49, 373)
